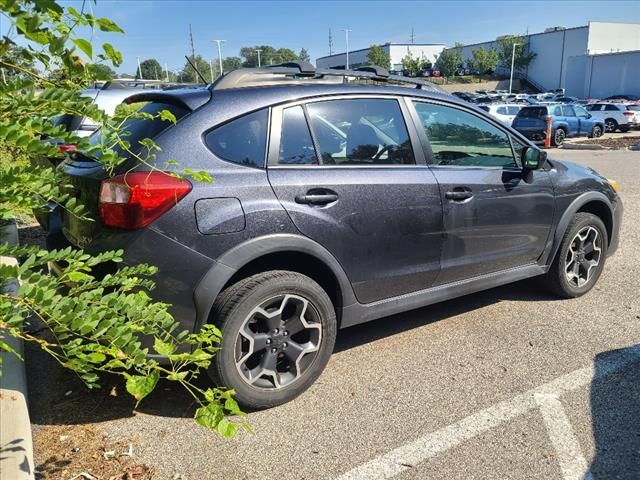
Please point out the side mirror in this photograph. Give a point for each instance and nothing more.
(532, 158)
(589, 115)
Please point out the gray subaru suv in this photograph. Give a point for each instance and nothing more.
(339, 197)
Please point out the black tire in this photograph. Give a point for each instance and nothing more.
(557, 275)
(558, 137)
(610, 125)
(233, 309)
(596, 132)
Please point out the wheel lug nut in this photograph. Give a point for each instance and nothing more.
(268, 341)
(286, 333)
(276, 330)
(284, 345)
(274, 350)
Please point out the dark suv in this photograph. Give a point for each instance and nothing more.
(334, 204)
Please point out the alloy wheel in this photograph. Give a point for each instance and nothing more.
(583, 256)
(559, 137)
(278, 341)
(597, 131)
(610, 125)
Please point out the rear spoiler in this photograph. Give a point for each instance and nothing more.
(189, 98)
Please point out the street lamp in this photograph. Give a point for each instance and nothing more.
(346, 35)
(220, 53)
(513, 57)
(257, 50)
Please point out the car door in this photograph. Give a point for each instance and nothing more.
(495, 215)
(570, 117)
(351, 178)
(585, 122)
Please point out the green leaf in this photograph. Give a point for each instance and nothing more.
(209, 416)
(163, 348)
(107, 25)
(78, 277)
(140, 386)
(83, 45)
(167, 115)
(226, 429)
(112, 54)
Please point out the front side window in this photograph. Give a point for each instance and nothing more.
(594, 107)
(557, 111)
(581, 112)
(502, 110)
(242, 141)
(568, 111)
(514, 110)
(459, 138)
(296, 145)
(361, 132)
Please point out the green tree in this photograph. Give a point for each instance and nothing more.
(231, 63)
(250, 55)
(485, 61)
(150, 69)
(412, 65)
(103, 71)
(377, 56)
(522, 57)
(96, 324)
(285, 55)
(189, 75)
(304, 55)
(450, 60)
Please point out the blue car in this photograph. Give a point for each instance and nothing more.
(568, 121)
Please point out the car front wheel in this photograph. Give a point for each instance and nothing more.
(581, 257)
(596, 132)
(610, 125)
(278, 332)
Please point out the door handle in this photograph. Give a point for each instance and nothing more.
(317, 198)
(459, 194)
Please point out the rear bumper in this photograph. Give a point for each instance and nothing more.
(533, 134)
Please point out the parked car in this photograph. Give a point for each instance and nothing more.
(567, 121)
(505, 112)
(629, 98)
(333, 204)
(468, 97)
(564, 99)
(635, 120)
(616, 116)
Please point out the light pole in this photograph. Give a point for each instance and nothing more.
(257, 50)
(513, 57)
(211, 69)
(346, 36)
(139, 69)
(220, 53)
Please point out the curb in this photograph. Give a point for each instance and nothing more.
(16, 446)
(582, 146)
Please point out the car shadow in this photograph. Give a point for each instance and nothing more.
(615, 416)
(58, 397)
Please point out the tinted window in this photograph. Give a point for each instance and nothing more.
(568, 111)
(557, 111)
(611, 108)
(533, 112)
(484, 107)
(502, 110)
(242, 141)
(296, 146)
(459, 138)
(594, 107)
(513, 110)
(140, 128)
(580, 111)
(361, 132)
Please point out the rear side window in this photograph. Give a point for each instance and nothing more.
(502, 110)
(242, 141)
(594, 107)
(361, 132)
(513, 110)
(296, 145)
(568, 111)
(140, 128)
(611, 108)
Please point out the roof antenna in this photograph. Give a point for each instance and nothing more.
(197, 71)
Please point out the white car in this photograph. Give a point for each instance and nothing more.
(635, 120)
(504, 112)
(616, 116)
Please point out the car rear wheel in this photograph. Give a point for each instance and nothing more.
(278, 332)
(596, 132)
(581, 257)
(558, 137)
(610, 125)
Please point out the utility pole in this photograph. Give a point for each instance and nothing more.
(166, 72)
(346, 35)
(193, 49)
(220, 54)
(412, 37)
(513, 57)
(330, 43)
(257, 50)
(139, 69)
(155, 69)
(211, 69)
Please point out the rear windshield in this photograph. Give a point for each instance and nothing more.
(633, 108)
(533, 112)
(139, 128)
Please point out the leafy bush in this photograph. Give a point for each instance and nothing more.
(97, 323)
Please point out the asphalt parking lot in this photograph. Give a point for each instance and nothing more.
(508, 383)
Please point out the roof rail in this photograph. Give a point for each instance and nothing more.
(299, 73)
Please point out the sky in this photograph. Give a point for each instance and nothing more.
(160, 29)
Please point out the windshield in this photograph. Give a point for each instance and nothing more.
(533, 112)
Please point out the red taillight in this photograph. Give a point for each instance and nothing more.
(136, 199)
(66, 148)
(628, 114)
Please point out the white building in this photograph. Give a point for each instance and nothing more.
(396, 52)
(593, 61)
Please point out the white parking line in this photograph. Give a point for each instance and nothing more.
(410, 455)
